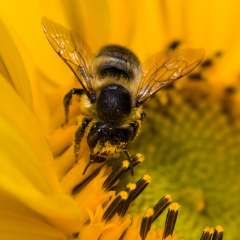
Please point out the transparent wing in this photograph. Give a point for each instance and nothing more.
(165, 68)
(73, 52)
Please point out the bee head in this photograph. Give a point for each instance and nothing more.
(113, 104)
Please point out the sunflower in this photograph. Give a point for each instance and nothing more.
(44, 194)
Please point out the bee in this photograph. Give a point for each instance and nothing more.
(114, 85)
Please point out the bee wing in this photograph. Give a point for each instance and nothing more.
(164, 68)
(72, 51)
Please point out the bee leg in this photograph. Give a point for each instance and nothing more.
(79, 135)
(68, 98)
(93, 159)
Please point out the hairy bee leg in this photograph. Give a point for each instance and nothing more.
(93, 159)
(68, 98)
(134, 127)
(79, 135)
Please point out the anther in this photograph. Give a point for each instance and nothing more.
(140, 186)
(230, 90)
(152, 214)
(88, 179)
(174, 45)
(131, 186)
(123, 207)
(195, 76)
(138, 158)
(218, 233)
(115, 175)
(162, 204)
(125, 166)
(218, 53)
(114, 206)
(146, 223)
(171, 220)
(207, 234)
(133, 192)
(207, 63)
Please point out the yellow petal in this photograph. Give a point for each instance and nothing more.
(25, 21)
(18, 222)
(210, 24)
(35, 69)
(27, 173)
(90, 19)
(149, 35)
(13, 67)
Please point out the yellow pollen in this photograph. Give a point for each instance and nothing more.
(147, 178)
(211, 230)
(123, 195)
(131, 186)
(149, 212)
(174, 206)
(125, 164)
(206, 229)
(140, 157)
(168, 197)
(219, 228)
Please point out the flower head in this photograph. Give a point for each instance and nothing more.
(44, 194)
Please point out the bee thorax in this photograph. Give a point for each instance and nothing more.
(114, 103)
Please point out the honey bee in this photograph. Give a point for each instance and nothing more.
(115, 85)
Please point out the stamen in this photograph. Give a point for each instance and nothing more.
(207, 234)
(131, 186)
(196, 76)
(162, 204)
(218, 53)
(115, 175)
(146, 223)
(171, 220)
(124, 205)
(114, 206)
(207, 63)
(174, 45)
(152, 214)
(218, 233)
(140, 186)
(133, 191)
(138, 158)
(230, 90)
(79, 187)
